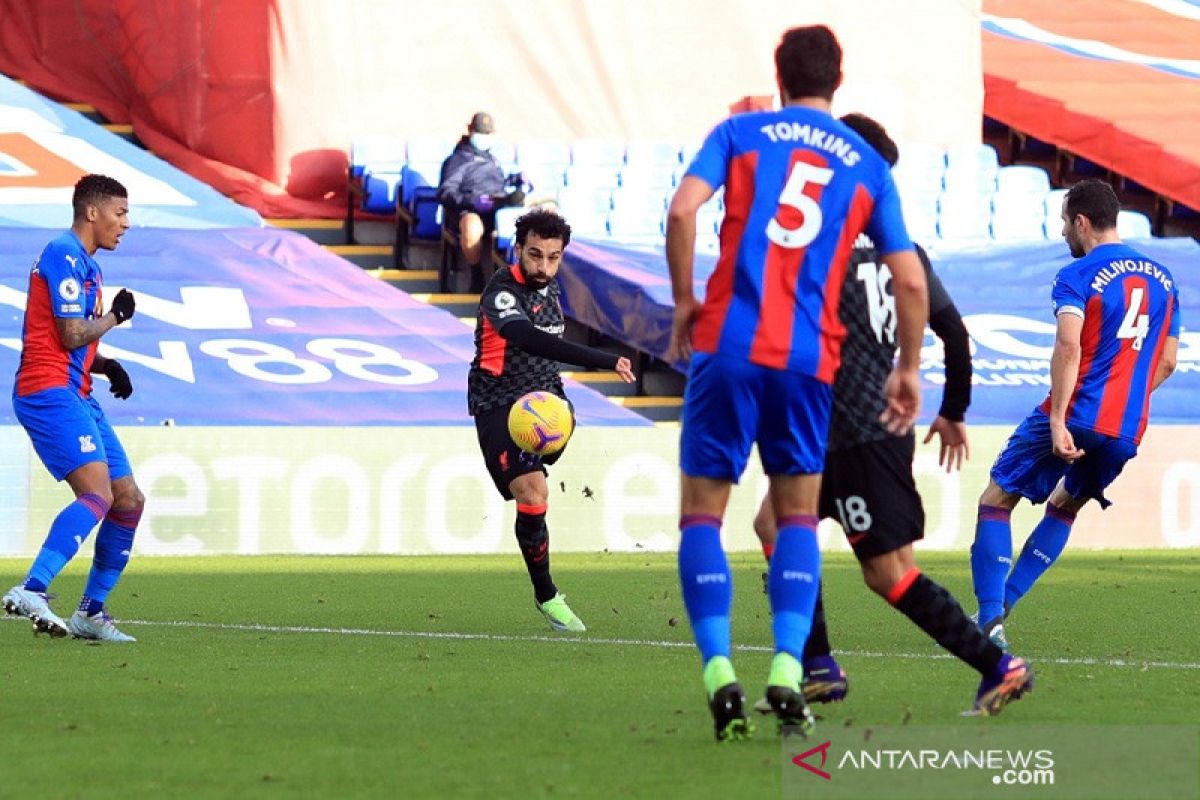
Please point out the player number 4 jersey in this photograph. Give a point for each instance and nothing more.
(1130, 307)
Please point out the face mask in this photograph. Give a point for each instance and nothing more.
(481, 141)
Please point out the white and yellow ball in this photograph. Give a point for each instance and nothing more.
(540, 423)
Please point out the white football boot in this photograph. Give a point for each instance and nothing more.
(98, 627)
(21, 602)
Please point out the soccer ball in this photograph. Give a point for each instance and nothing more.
(540, 423)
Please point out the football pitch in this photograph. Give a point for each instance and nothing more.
(436, 677)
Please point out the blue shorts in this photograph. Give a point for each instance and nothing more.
(68, 431)
(1027, 465)
(730, 405)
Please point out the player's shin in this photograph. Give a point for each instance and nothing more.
(534, 540)
(1041, 550)
(991, 557)
(114, 544)
(706, 585)
(68, 531)
(935, 611)
(794, 582)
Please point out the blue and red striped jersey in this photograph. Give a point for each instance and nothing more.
(1130, 307)
(64, 282)
(799, 188)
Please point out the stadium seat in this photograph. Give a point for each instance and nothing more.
(650, 153)
(377, 150)
(506, 154)
(542, 153)
(709, 217)
(1053, 202)
(506, 230)
(919, 169)
(1133, 225)
(635, 199)
(593, 177)
(384, 154)
(1021, 179)
(587, 223)
(1018, 217)
(687, 152)
(598, 152)
(920, 215)
(426, 149)
(633, 228)
(964, 216)
(971, 168)
(584, 200)
(649, 176)
(546, 179)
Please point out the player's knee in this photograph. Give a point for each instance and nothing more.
(103, 494)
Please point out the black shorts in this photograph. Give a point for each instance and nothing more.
(505, 461)
(869, 489)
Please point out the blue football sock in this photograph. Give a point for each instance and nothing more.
(114, 542)
(1042, 548)
(706, 583)
(991, 557)
(793, 583)
(68, 531)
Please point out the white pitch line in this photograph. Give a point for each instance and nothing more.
(660, 643)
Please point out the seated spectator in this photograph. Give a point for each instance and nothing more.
(472, 187)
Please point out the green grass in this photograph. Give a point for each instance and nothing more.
(209, 711)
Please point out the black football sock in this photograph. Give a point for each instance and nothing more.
(936, 612)
(534, 539)
(818, 638)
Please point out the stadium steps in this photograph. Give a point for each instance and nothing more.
(460, 305)
(659, 408)
(410, 280)
(367, 256)
(606, 383)
(124, 131)
(327, 232)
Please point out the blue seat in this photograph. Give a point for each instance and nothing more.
(964, 216)
(1133, 225)
(651, 153)
(587, 223)
(542, 153)
(635, 228)
(584, 200)
(383, 154)
(920, 215)
(1018, 217)
(638, 200)
(1021, 179)
(593, 177)
(649, 176)
(598, 152)
(426, 149)
(506, 230)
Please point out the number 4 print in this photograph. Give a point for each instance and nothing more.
(802, 174)
(1135, 325)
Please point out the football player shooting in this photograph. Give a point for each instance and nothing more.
(868, 484)
(1116, 341)
(518, 348)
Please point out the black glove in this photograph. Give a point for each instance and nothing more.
(122, 307)
(118, 378)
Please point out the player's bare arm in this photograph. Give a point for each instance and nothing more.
(903, 387)
(1166, 362)
(1064, 371)
(681, 250)
(75, 332)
